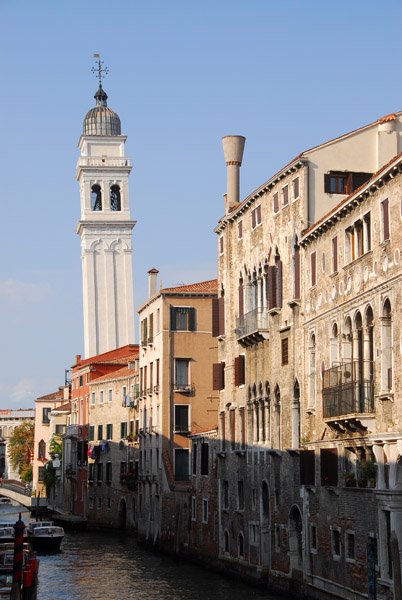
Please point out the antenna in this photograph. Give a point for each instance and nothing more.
(97, 71)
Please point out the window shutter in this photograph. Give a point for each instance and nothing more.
(385, 216)
(218, 376)
(253, 219)
(327, 183)
(241, 301)
(151, 326)
(279, 284)
(215, 317)
(297, 272)
(271, 287)
(191, 319)
(221, 304)
(313, 262)
(239, 370)
(172, 318)
(276, 202)
(335, 254)
(307, 467)
(258, 212)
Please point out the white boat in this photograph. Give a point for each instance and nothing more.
(46, 538)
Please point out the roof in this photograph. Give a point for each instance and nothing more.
(209, 287)
(64, 407)
(59, 395)
(128, 352)
(120, 374)
(120, 361)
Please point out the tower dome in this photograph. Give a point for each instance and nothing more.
(101, 120)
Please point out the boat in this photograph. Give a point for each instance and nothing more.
(32, 526)
(29, 563)
(4, 501)
(46, 538)
(7, 534)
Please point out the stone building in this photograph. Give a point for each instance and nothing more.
(112, 447)
(175, 399)
(307, 285)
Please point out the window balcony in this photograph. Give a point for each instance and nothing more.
(252, 327)
(348, 394)
(182, 387)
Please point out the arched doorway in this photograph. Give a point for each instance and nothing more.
(295, 538)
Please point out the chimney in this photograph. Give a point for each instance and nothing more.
(152, 277)
(233, 146)
(77, 358)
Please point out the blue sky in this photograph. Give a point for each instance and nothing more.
(287, 75)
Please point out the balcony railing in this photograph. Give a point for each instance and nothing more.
(348, 389)
(252, 327)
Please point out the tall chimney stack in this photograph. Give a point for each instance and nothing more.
(233, 147)
(152, 277)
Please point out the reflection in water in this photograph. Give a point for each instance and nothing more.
(111, 566)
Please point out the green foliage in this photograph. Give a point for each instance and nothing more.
(20, 449)
(55, 446)
(49, 477)
(27, 474)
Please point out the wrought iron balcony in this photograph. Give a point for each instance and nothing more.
(252, 327)
(348, 389)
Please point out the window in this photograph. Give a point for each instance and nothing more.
(225, 494)
(100, 432)
(157, 372)
(101, 397)
(256, 217)
(285, 351)
(144, 332)
(109, 472)
(285, 195)
(91, 467)
(41, 473)
(100, 472)
(385, 220)
(96, 198)
(350, 546)
(278, 538)
(81, 380)
(254, 534)
(110, 395)
(307, 467)
(218, 316)
(42, 449)
(204, 458)
(99, 502)
(226, 541)
(193, 509)
(329, 467)
(239, 370)
(221, 245)
(60, 429)
(341, 182)
(275, 283)
(151, 328)
(181, 470)
(123, 429)
(195, 446)
(181, 418)
(45, 415)
(181, 375)
(241, 545)
(296, 188)
(92, 397)
(242, 427)
(182, 318)
(296, 270)
(276, 202)
(218, 376)
(240, 495)
(336, 542)
(313, 266)
(87, 378)
(204, 510)
(115, 202)
(91, 433)
(109, 431)
(334, 254)
(240, 230)
(313, 537)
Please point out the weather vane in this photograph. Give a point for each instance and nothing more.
(97, 71)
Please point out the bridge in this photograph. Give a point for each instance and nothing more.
(15, 490)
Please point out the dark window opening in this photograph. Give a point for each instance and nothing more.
(115, 202)
(204, 458)
(181, 418)
(307, 467)
(96, 198)
(329, 467)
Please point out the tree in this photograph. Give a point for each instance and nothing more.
(20, 449)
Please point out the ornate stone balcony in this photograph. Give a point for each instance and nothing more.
(252, 327)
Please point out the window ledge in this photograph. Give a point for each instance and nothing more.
(310, 411)
(221, 454)
(385, 396)
(295, 302)
(275, 311)
(356, 261)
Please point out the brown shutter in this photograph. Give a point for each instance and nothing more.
(237, 370)
(241, 301)
(279, 284)
(258, 211)
(217, 376)
(215, 317)
(385, 217)
(253, 218)
(334, 254)
(240, 229)
(313, 268)
(327, 183)
(242, 378)
(271, 287)
(276, 202)
(297, 272)
(221, 317)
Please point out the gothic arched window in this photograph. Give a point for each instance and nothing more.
(42, 449)
(115, 203)
(96, 198)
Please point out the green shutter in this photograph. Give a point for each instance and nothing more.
(172, 318)
(191, 319)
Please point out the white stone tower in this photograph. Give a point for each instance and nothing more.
(105, 229)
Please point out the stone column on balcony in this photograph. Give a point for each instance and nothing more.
(378, 450)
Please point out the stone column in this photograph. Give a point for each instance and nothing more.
(379, 456)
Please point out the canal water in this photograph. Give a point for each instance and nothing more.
(109, 565)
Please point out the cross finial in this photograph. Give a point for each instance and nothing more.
(97, 71)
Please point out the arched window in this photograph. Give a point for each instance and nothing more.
(226, 541)
(334, 346)
(277, 418)
(296, 268)
(295, 537)
(115, 202)
(386, 347)
(296, 416)
(312, 372)
(368, 351)
(96, 198)
(42, 449)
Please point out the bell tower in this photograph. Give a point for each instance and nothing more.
(105, 229)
